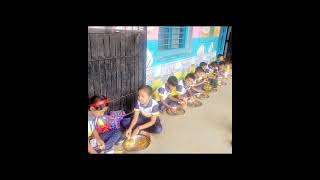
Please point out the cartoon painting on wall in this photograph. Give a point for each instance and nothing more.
(211, 52)
(195, 32)
(152, 32)
(205, 31)
(204, 49)
(149, 59)
(212, 30)
(216, 31)
(200, 54)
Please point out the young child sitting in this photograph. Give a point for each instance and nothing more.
(221, 73)
(220, 58)
(204, 66)
(98, 105)
(199, 81)
(215, 67)
(212, 74)
(146, 115)
(169, 95)
(227, 69)
(186, 93)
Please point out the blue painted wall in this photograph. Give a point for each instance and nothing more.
(172, 62)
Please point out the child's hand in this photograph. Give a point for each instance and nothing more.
(172, 109)
(128, 133)
(136, 131)
(181, 102)
(185, 99)
(101, 144)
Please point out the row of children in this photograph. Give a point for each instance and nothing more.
(147, 110)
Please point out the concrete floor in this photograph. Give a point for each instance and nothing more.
(206, 129)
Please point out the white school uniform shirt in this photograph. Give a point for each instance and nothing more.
(152, 108)
(209, 70)
(164, 90)
(183, 87)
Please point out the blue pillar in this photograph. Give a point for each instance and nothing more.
(222, 40)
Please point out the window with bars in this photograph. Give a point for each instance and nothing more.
(172, 37)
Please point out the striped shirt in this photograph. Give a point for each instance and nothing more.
(183, 86)
(164, 91)
(198, 80)
(152, 108)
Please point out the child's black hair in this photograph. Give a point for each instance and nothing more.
(203, 64)
(146, 88)
(172, 80)
(222, 63)
(190, 75)
(210, 65)
(199, 69)
(214, 64)
(95, 99)
(219, 55)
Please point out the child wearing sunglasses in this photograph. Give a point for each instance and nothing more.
(104, 142)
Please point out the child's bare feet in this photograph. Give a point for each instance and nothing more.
(171, 111)
(197, 103)
(204, 95)
(183, 103)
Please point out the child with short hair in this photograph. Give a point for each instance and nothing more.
(199, 81)
(208, 68)
(169, 95)
(187, 94)
(220, 58)
(204, 66)
(146, 115)
(186, 84)
(97, 143)
(215, 67)
(212, 74)
(221, 73)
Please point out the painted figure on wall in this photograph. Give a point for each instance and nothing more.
(205, 41)
(205, 31)
(216, 31)
(210, 52)
(149, 59)
(200, 54)
(152, 32)
(211, 30)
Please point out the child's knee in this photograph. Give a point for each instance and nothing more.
(125, 122)
(157, 129)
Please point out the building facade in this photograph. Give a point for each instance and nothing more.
(177, 50)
